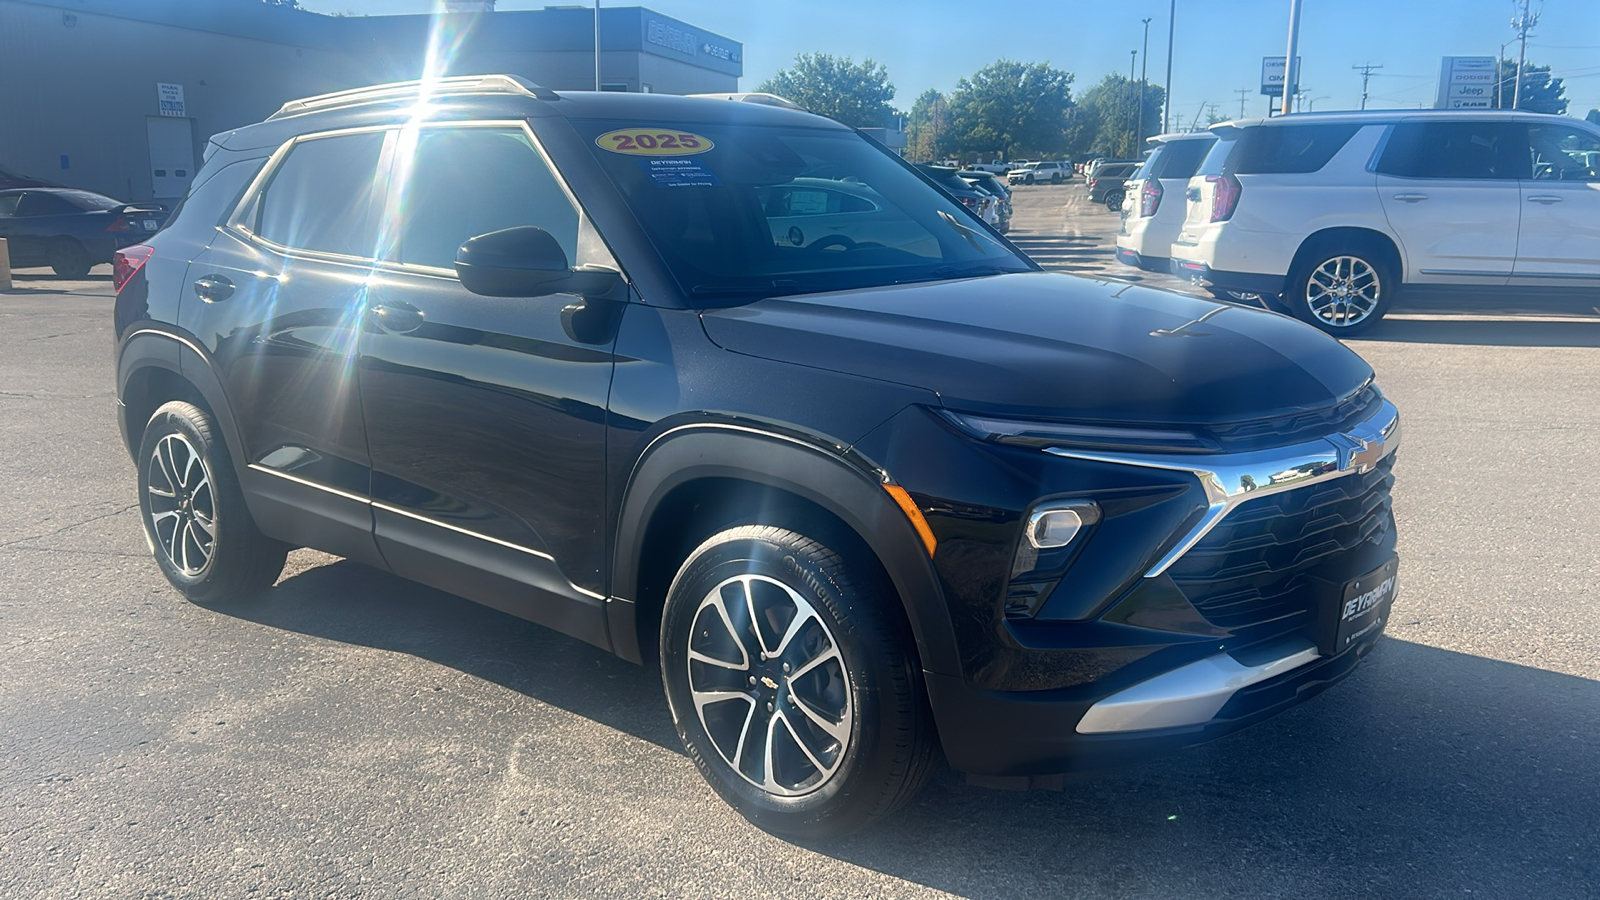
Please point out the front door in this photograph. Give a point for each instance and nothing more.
(1559, 244)
(486, 415)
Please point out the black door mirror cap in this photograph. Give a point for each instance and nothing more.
(525, 261)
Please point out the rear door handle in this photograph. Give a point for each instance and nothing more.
(1411, 198)
(1544, 198)
(213, 288)
(396, 316)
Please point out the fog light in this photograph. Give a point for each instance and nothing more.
(1052, 527)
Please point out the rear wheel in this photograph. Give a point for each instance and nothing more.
(194, 514)
(792, 682)
(1055, 178)
(68, 258)
(1114, 199)
(1343, 289)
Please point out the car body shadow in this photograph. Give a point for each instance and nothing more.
(1426, 773)
(1496, 332)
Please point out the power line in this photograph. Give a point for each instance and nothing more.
(1243, 94)
(1366, 75)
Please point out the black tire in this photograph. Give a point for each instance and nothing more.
(1114, 200)
(1311, 290)
(849, 663)
(1027, 179)
(185, 481)
(68, 258)
(1055, 178)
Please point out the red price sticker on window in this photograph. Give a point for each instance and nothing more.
(653, 142)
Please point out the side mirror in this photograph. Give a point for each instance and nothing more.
(525, 261)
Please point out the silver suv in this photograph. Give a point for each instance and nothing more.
(1331, 216)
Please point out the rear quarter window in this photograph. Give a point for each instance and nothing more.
(1217, 156)
(1287, 149)
(1176, 159)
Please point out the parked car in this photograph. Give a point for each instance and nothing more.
(1053, 172)
(981, 202)
(987, 181)
(1152, 219)
(823, 212)
(1093, 165)
(1331, 216)
(71, 230)
(858, 498)
(10, 178)
(1106, 185)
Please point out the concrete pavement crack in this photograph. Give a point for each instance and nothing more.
(65, 528)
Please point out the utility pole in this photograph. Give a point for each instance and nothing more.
(1291, 73)
(1166, 102)
(1523, 23)
(1133, 61)
(1144, 85)
(1366, 73)
(1243, 94)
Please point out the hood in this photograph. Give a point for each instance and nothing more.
(1041, 345)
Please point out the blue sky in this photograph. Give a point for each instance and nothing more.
(1218, 48)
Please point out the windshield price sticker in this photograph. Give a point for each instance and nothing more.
(653, 142)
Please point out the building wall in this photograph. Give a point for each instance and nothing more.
(79, 76)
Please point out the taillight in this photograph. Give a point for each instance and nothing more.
(969, 202)
(125, 263)
(1150, 197)
(1224, 196)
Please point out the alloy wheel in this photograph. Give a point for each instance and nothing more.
(769, 685)
(1343, 291)
(182, 507)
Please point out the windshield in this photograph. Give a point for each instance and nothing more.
(744, 212)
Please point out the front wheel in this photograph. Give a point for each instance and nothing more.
(1114, 200)
(1056, 178)
(1344, 290)
(791, 679)
(1028, 180)
(194, 514)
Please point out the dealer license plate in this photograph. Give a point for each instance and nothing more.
(1364, 606)
(149, 224)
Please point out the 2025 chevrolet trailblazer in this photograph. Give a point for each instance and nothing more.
(727, 387)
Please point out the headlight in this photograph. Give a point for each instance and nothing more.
(1037, 433)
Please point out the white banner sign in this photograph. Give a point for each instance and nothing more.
(1466, 82)
(169, 99)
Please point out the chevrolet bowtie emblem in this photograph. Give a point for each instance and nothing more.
(769, 682)
(1357, 453)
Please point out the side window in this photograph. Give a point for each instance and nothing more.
(8, 204)
(1288, 149)
(37, 203)
(1472, 150)
(1564, 153)
(1217, 156)
(320, 198)
(458, 183)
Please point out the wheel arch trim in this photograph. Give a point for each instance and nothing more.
(184, 357)
(766, 459)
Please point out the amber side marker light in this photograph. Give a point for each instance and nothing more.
(909, 507)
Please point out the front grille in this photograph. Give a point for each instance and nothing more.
(1281, 431)
(1254, 568)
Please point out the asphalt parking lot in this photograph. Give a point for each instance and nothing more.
(351, 734)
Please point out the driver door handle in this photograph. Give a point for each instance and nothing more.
(213, 288)
(395, 316)
(1544, 198)
(1411, 198)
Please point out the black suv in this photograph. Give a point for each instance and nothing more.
(729, 387)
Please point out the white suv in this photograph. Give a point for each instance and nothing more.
(1053, 172)
(1330, 215)
(1153, 208)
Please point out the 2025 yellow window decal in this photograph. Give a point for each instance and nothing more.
(653, 142)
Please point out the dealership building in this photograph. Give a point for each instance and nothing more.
(118, 96)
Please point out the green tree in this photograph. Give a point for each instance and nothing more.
(1011, 108)
(928, 127)
(1540, 92)
(1110, 108)
(856, 94)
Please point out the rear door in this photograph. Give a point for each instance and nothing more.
(1559, 242)
(1449, 190)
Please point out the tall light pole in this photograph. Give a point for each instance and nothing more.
(1133, 62)
(1291, 74)
(1144, 84)
(1166, 104)
(597, 45)
(1522, 23)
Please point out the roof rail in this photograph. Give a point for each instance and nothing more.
(753, 97)
(403, 90)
